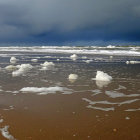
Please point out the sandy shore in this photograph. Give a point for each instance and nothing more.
(65, 117)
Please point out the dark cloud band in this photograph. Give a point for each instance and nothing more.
(69, 20)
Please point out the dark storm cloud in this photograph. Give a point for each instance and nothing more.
(60, 20)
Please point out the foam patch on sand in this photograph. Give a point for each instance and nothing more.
(47, 65)
(110, 103)
(73, 76)
(115, 94)
(101, 76)
(0, 88)
(137, 109)
(46, 90)
(10, 67)
(5, 133)
(98, 102)
(96, 92)
(91, 103)
(1, 120)
(23, 68)
(11, 107)
(128, 102)
(101, 108)
(121, 87)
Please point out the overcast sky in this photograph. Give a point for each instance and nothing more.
(69, 21)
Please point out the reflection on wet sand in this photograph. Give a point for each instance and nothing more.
(102, 84)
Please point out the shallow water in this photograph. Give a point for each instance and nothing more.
(41, 105)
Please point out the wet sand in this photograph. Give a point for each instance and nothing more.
(65, 117)
(76, 113)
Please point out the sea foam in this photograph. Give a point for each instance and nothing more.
(10, 67)
(101, 108)
(110, 103)
(5, 133)
(132, 62)
(34, 60)
(115, 94)
(46, 90)
(13, 60)
(23, 68)
(101, 76)
(47, 65)
(74, 57)
(137, 109)
(73, 76)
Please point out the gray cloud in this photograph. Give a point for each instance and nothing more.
(27, 18)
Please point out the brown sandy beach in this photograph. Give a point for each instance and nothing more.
(65, 117)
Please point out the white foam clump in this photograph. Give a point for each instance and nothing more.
(127, 118)
(11, 67)
(88, 61)
(132, 62)
(34, 60)
(73, 77)
(23, 68)
(47, 65)
(5, 133)
(1, 120)
(74, 57)
(46, 90)
(13, 60)
(101, 76)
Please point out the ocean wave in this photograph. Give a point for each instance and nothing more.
(125, 51)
